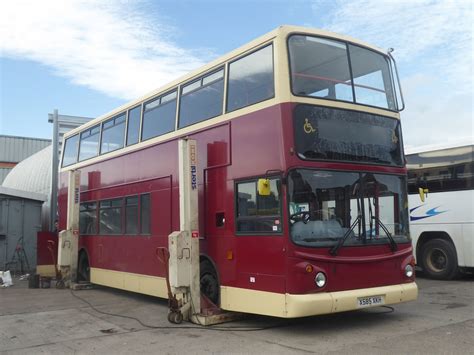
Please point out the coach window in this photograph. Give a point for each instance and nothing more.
(159, 116)
(88, 218)
(133, 126)
(256, 213)
(70, 150)
(113, 132)
(89, 145)
(110, 217)
(202, 99)
(251, 79)
(441, 170)
(131, 215)
(145, 214)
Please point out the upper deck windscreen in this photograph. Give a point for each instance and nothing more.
(336, 70)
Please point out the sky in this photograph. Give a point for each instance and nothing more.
(87, 57)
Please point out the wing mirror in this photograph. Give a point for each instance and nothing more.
(423, 193)
(264, 187)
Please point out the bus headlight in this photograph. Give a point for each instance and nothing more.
(409, 270)
(320, 279)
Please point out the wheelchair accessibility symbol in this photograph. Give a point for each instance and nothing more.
(308, 127)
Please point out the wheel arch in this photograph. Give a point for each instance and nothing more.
(83, 250)
(205, 257)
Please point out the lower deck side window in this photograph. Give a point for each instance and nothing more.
(145, 214)
(110, 217)
(88, 218)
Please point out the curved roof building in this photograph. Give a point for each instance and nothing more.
(34, 175)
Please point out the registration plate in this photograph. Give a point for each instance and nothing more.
(370, 301)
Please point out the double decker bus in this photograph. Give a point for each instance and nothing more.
(316, 115)
(441, 199)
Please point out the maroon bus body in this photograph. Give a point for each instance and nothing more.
(245, 147)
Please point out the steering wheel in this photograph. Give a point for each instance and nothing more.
(304, 216)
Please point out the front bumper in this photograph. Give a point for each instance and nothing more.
(294, 306)
(342, 301)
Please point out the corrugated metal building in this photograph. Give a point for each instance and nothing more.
(15, 149)
(20, 220)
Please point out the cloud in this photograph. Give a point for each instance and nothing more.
(110, 46)
(433, 44)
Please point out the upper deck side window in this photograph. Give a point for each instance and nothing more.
(159, 115)
(251, 79)
(202, 99)
(113, 133)
(71, 146)
(89, 143)
(335, 70)
(133, 125)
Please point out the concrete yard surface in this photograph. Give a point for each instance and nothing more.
(51, 321)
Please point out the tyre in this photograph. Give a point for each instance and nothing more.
(209, 282)
(83, 269)
(439, 260)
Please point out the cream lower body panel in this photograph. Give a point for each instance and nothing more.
(262, 302)
(293, 306)
(149, 285)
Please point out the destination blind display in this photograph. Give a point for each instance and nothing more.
(334, 134)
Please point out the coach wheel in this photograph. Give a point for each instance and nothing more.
(83, 269)
(439, 260)
(209, 282)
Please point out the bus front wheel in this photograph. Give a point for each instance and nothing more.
(209, 281)
(439, 260)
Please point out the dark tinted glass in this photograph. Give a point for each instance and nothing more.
(333, 134)
(110, 217)
(89, 145)
(131, 215)
(202, 99)
(70, 150)
(113, 132)
(160, 116)
(372, 80)
(320, 68)
(88, 218)
(145, 214)
(441, 170)
(251, 79)
(255, 213)
(133, 130)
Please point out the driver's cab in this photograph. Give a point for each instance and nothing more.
(314, 212)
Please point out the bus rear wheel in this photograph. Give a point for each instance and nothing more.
(83, 269)
(209, 282)
(439, 260)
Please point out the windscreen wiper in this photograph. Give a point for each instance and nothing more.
(393, 244)
(335, 248)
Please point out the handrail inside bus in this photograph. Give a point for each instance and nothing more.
(337, 81)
